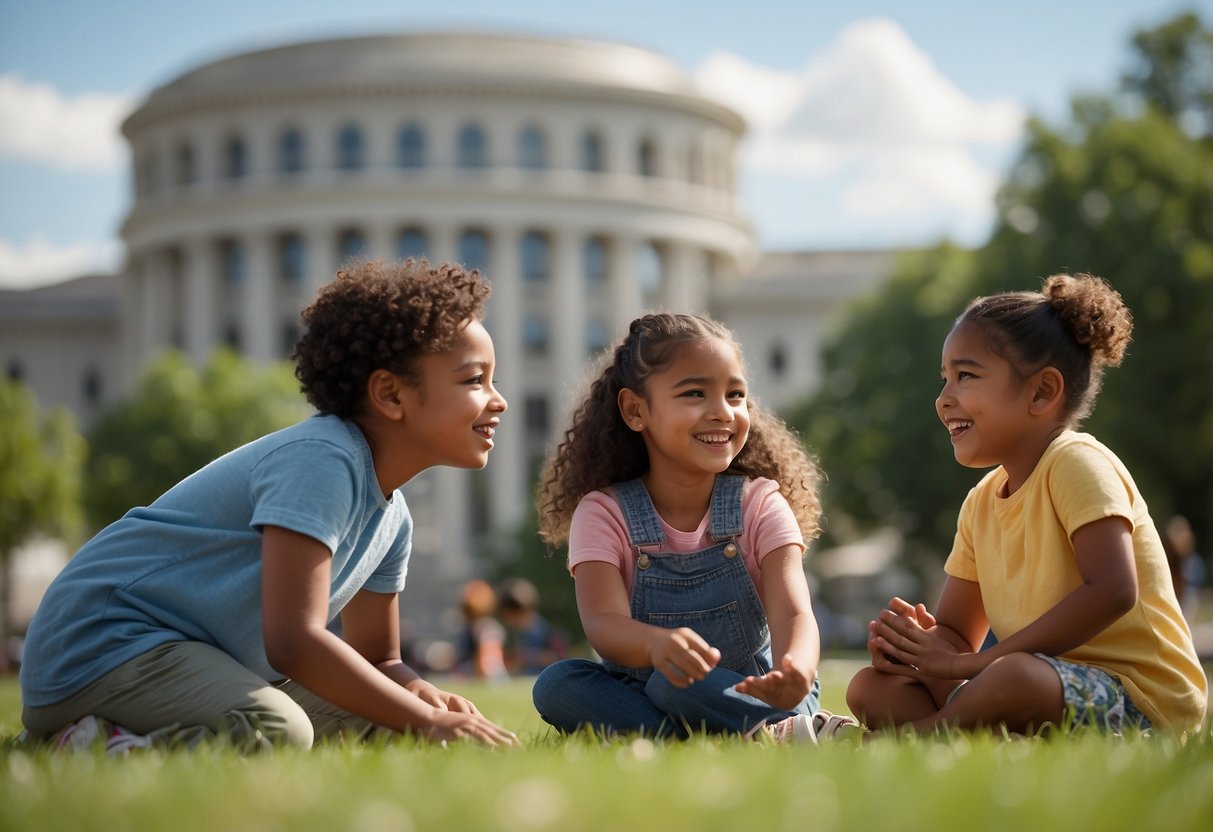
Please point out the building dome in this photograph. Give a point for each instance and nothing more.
(449, 62)
(589, 181)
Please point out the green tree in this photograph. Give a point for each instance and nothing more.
(1124, 190)
(41, 456)
(179, 419)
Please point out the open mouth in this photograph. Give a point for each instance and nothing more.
(958, 427)
(714, 439)
(486, 431)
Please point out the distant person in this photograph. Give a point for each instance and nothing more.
(206, 613)
(1055, 549)
(686, 507)
(532, 642)
(481, 650)
(1187, 566)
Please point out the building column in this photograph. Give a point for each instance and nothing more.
(200, 282)
(153, 306)
(567, 315)
(684, 288)
(259, 324)
(507, 470)
(320, 260)
(623, 284)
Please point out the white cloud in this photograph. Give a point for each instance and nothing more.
(874, 110)
(40, 262)
(38, 123)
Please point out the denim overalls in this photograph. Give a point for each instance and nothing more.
(709, 591)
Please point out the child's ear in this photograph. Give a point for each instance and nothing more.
(631, 408)
(383, 394)
(1049, 391)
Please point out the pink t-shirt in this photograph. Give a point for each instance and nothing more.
(599, 532)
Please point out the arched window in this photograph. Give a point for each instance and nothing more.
(591, 151)
(474, 250)
(291, 263)
(597, 336)
(149, 181)
(185, 171)
(412, 242)
(351, 244)
(290, 151)
(535, 335)
(290, 336)
(233, 262)
(235, 158)
(649, 269)
(532, 148)
(593, 256)
(90, 386)
(536, 256)
(778, 360)
(351, 148)
(410, 146)
(536, 415)
(646, 157)
(473, 147)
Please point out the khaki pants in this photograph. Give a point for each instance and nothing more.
(186, 692)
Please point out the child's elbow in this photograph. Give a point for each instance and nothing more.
(285, 653)
(1123, 598)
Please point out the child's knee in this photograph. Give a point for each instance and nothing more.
(859, 689)
(275, 721)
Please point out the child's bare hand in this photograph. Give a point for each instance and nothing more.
(683, 657)
(783, 688)
(897, 606)
(443, 700)
(455, 725)
(915, 650)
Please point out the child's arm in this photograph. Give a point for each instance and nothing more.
(1103, 552)
(295, 581)
(680, 654)
(795, 640)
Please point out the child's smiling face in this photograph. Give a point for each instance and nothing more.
(694, 411)
(456, 409)
(984, 403)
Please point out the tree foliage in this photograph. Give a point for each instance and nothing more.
(179, 419)
(1124, 190)
(41, 456)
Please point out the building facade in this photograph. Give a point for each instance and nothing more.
(589, 181)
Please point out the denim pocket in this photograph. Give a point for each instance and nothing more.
(721, 627)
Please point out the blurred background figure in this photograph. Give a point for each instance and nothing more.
(1187, 567)
(481, 648)
(532, 643)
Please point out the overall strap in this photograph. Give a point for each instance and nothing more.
(644, 526)
(726, 507)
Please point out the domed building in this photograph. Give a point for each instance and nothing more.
(589, 181)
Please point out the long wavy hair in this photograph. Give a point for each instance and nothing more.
(599, 449)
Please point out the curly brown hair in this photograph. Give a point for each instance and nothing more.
(378, 315)
(1077, 323)
(599, 449)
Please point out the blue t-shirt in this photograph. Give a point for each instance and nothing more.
(188, 567)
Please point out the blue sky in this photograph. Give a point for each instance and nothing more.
(871, 123)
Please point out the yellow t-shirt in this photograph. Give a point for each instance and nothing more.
(1019, 550)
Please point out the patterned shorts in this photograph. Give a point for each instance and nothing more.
(1095, 698)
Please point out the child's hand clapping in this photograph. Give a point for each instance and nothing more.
(782, 688)
(682, 656)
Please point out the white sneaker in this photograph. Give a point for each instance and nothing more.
(90, 731)
(796, 728)
(834, 727)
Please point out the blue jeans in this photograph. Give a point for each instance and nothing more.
(570, 689)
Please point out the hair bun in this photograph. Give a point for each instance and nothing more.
(1094, 312)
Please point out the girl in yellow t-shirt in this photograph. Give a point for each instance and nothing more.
(1055, 551)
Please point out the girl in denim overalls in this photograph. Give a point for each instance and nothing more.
(685, 507)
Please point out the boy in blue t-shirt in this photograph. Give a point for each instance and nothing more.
(207, 613)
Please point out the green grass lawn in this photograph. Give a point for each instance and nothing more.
(960, 782)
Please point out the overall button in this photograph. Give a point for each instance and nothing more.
(730, 550)
(644, 561)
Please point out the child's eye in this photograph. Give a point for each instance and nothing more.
(737, 394)
(476, 380)
(693, 393)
